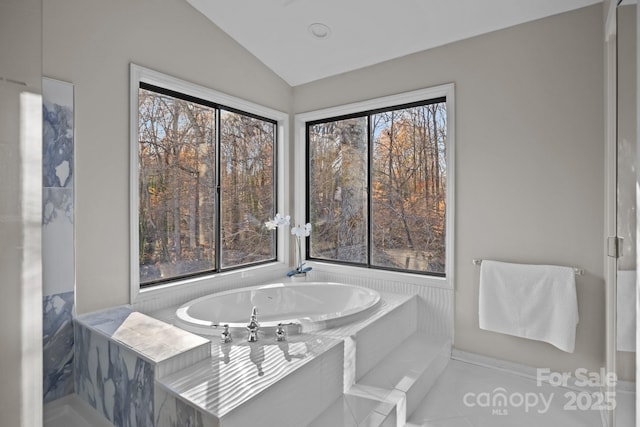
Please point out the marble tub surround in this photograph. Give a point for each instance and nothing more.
(435, 303)
(368, 340)
(173, 412)
(113, 380)
(370, 379)
(277, 383)
(390, 365)
(167, 347)
(57, 344)
(119, 355)
(137, 370)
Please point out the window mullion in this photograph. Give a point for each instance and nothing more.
(368, 189)
(307, 184)
(276, 199)
(218, 195)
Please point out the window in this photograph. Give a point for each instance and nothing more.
(206, 183)
(377, 186)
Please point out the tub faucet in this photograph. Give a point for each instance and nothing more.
(253, 326)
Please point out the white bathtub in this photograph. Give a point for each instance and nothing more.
(305, 306)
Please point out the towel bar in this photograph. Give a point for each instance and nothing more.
(577, 271)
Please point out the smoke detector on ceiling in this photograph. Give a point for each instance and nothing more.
(319, 30)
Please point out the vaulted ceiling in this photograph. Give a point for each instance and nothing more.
(356, 33)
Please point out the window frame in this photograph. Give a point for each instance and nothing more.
(363, 108)
(185, 90)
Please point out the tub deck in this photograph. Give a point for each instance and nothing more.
(290, 384)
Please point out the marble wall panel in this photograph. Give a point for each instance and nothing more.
(57, 345)
(58, 257)
(57, 134)
(57, 182)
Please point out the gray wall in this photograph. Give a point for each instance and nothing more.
(627, 157)
(529, 162)
(20, 212)
(91, 44)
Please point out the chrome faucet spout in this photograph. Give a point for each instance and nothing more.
(253, 326)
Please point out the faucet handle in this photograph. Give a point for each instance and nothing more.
(281, 333)
(225, 336)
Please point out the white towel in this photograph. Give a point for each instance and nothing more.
(531, 301)
(626, 312)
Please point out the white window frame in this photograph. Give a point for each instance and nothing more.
(300, 195)
(141, 74)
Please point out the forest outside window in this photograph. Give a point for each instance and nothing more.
(206, 184)
(377, 188)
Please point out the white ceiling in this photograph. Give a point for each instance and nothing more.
(363, 32)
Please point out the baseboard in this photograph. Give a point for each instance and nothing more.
(522, 370)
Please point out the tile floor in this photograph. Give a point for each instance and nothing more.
(463, 396)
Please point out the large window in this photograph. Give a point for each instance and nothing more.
(377, 188)
(206, 182)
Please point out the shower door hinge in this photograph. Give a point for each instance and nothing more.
(614, 246)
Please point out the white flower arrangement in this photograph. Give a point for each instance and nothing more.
(299, 232)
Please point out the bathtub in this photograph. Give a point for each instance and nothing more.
(302, 307)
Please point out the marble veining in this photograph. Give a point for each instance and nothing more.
(57, 134)
(107, 321)
(113, 380)
(57, 206)
(119, 355)
(58, 264)
(57, 344)
(121, 352)
(150, 338)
